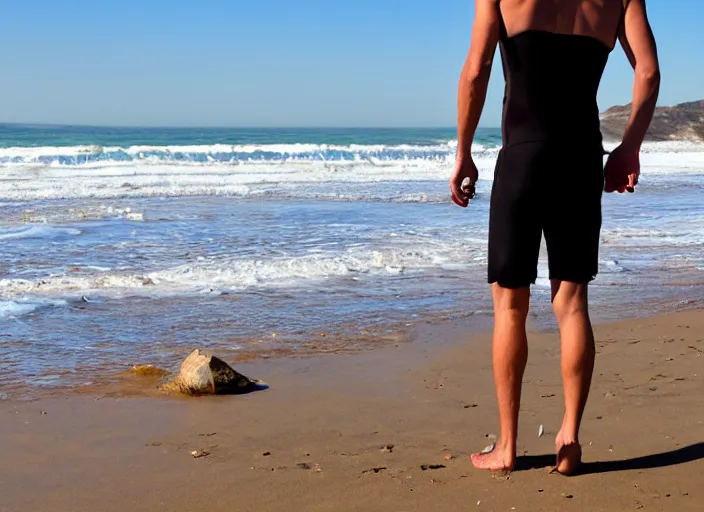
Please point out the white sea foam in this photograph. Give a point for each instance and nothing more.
(279, 169)
(171, 180)
(401, 255)
(226, 152)
(238, 274)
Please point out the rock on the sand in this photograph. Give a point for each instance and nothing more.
(203, 373)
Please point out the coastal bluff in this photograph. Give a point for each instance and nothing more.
(684, 121)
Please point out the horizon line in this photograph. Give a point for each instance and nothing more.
(232, 127)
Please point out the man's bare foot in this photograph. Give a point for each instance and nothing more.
(569, 454)
(500, 458)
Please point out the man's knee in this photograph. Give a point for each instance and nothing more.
(511, 300)
(569, 298)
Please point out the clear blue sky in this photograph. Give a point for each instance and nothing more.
(276, 62)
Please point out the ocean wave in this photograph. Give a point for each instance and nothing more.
(225, 154)
(226, 274)
(13, 309)
(281, 170)
(36, 232)
(293, 180)
(673, 236)
(231, 154)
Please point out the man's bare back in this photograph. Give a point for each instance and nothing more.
(599, 19)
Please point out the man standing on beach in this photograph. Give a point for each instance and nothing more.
(549, 179)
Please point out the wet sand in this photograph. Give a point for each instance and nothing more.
(314, 441)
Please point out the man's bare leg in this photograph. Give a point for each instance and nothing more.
(577, 362)
(510, 354)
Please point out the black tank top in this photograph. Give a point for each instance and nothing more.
(551, 87)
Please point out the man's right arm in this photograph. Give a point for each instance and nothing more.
(639, 45)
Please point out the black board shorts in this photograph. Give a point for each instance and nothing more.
(549, 189)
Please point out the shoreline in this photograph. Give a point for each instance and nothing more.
(121, 381)
(314, 439)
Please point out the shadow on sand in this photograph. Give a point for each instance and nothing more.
(658, 460)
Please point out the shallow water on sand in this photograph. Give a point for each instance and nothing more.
(269, 278)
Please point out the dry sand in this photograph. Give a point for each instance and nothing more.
(314, 440)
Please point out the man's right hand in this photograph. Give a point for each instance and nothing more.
(464, 168)
(622, 170)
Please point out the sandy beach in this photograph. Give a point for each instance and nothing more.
(302, 204)
(388, 429)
